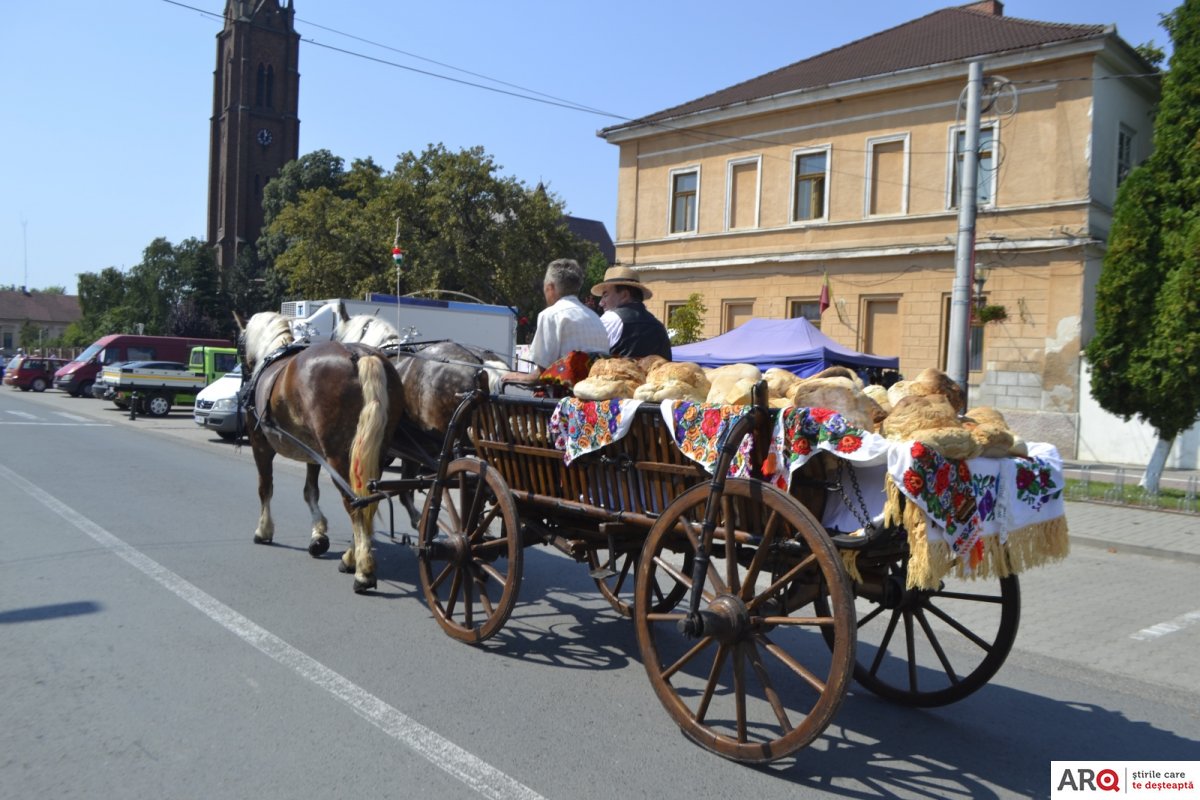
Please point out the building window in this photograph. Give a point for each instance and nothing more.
(735, 312)
(809, 308)
(985, 180)
(1124, 153)
(741, 210)
(887, 176)
(270, 87)
(975, 355)
(811, 185)
(685, 194)
(260, 85)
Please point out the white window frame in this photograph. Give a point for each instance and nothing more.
(827, 149)
(872, 142)
(951, 164)
(1125, 132)
(694, 168)
(729, 167)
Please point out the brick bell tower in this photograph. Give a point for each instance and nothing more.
(255, 127)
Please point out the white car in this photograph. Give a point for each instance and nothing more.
(217, 409)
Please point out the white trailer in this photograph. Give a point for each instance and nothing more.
(418, 319)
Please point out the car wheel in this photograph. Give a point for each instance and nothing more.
(158, 405)
(38, 385)
(24, 388)
(84, 390)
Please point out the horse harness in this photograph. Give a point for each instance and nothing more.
(255, 395)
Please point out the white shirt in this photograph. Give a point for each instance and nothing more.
(565, 326)
(613, 325)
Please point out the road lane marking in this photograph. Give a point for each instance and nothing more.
(439, 751)
(60, 424)
(73, 417)
(23, 414)
(1170, 626)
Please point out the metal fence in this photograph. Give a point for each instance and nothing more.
(1121, 489)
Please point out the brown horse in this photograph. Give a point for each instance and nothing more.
(330, 403)
(433, 377)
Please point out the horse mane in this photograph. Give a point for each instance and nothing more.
(266, 332)
(368, 330)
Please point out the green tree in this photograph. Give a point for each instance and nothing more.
(687, 321)
(464, 227)
(1145, 353)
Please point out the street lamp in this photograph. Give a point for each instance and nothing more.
(981, 275)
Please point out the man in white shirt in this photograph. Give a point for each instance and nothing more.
(565, 324)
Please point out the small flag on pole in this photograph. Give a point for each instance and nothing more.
(823, 303)
(397, 256)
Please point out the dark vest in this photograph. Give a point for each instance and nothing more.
(641, 333)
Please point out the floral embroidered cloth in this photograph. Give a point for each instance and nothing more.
(581, 426)
(967, 500)
(700, 429)
(800, 433)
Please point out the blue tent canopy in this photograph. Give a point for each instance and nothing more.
(791, 344)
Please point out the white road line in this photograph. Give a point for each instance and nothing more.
(441, 752)
(23, 414)
(61, 424)
(73, 417)
(1170, 626)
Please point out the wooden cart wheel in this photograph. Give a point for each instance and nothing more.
(470, 559)
(746, 677)
(926, 648)
(616, 580)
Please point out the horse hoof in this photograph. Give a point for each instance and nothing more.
(343, 568)
(361, 586)
(318, 547)
(260, 540)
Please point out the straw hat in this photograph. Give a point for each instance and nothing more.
(621, 276)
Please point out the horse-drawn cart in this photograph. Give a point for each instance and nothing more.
(752, 611)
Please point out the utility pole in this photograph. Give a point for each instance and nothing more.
(957, 359)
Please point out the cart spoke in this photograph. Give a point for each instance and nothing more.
(910, 649)
(436, 582)
(755, 659)
(492, 572)
(739, 692)
(689, 526)
(779, 584)
(455, 587)
(477, 498)
(795, 666)
(937, 646)
(451, 510)
(958, 626)
(731, 563)
(870, 615)
(975, 598)
(883, 645)
(760, 555)
(686, 657)
(714, 678)
(484, 523)
(818, 622)
(488, 545)
(680, 577)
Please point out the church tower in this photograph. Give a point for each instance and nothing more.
(255, 127)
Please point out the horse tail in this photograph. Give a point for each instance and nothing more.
(367, 450)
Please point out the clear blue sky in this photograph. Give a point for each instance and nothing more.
(106, 105)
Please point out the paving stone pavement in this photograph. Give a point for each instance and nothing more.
(1158, 532)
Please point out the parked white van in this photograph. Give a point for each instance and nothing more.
(216, 406)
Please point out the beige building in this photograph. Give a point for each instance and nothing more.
(845, 165)
(44, 316)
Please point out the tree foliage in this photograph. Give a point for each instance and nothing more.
(1145, 354)
(463, 227)
(172, 292)
(687, 321)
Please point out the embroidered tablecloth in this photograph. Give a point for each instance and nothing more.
(581, 426)
(700, 430)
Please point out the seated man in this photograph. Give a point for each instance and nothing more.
(633, 332)
(565, 324)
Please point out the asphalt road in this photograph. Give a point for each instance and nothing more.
(150, 649)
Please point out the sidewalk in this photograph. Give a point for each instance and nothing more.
(1135, 530)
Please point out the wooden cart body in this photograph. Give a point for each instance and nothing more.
(746, 619)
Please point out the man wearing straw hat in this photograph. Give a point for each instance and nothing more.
(633, 332)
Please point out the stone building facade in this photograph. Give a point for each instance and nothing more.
(844, 167)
